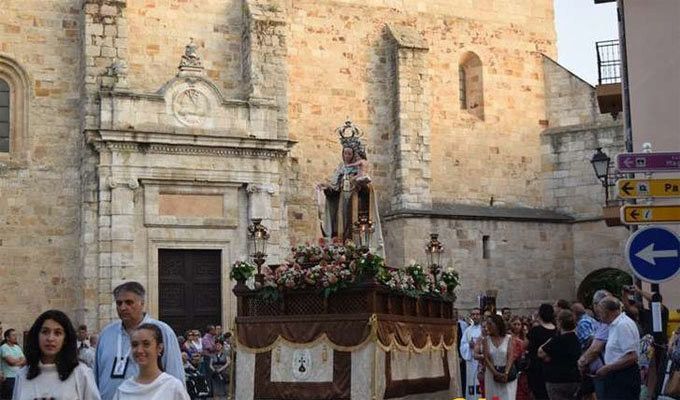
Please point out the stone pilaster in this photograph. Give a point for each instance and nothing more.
(105, 46)
(411, 120)
(264, 51)
(104, 67)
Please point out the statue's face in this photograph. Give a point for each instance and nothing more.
(347, 155)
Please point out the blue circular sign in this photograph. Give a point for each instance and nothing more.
(654, 254)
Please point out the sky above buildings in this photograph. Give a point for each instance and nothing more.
(579, 24)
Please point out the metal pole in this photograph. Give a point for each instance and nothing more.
(627, 125)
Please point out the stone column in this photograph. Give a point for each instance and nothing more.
(411, 120)
(264, 51)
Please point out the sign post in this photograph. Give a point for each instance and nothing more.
(648, 188)
(648, 162)
(654, 254)
(650, 214)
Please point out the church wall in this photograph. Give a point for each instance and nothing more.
(159, 30)
(339, 64)
(576, 130)
(40, 195)
(528, 262)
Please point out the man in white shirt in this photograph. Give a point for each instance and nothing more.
(113, 362)
(467, 349)
(621, 371)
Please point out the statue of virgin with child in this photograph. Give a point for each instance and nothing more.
(348, 195)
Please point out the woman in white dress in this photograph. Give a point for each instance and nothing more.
(151, 383)
(53, 370)
(499, 382)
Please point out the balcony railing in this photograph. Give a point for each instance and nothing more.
(608, 62)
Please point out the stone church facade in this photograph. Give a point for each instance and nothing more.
(144, 135)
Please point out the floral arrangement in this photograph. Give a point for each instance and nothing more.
(242, 270)
(415, 280)
(329, 267)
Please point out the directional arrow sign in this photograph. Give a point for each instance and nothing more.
(649, 214)
(654, 254)
(646, 188)
(648, 162)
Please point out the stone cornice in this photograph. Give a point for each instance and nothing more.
(206, 146)
(468, 212)
(155, 148)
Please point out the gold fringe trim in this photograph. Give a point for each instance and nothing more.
(392, 344)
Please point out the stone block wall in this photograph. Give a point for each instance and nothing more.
(528, 262)
(576, 130)
(40, 196)
(159, 29)
(339, 66)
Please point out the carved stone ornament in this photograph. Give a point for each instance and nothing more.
(191, 106)
(191, 61)
(302, 364)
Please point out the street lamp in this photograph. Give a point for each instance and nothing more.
(600, 162)
(258, 236)
(363, 231)
(434, 250)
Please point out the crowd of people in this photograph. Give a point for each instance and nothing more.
(565, 352)
(136, 357)
(562, 352)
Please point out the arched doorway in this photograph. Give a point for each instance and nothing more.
(611, 279)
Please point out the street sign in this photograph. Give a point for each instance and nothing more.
(650, 214)
(648, 162)
(645, 188)
(654, 254)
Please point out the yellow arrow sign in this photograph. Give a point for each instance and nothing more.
(645, 188)
(642, 215)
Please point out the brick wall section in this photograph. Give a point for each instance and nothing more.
(411, 120)
(576, 130)
(159, 30)
(264, 50)
(39, 199)
(338, 58)
(529, 262)
(569, 99)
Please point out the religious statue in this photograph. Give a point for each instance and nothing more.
(348, 195)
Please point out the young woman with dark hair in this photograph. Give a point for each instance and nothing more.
(500, 378)
(151, 383)
(539, 334)
(560, 354)
(53, 370)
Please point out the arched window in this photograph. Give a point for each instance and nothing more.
(471, 90)
(14, 87)
(4, 116)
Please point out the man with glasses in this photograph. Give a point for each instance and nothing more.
(467, 349)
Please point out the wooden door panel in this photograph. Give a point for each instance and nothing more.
(189, 283)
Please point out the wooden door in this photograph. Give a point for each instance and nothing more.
(189, 288)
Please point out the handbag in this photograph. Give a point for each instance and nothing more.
(512, 374)
(672, 388)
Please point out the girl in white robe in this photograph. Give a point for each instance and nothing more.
(53, 370)
(151, 383)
